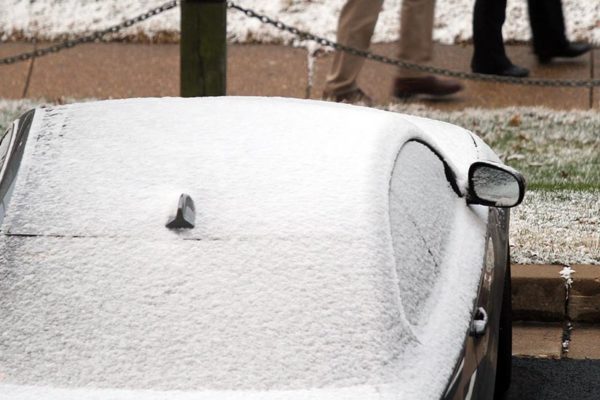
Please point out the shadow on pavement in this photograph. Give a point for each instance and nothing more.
(537, 379)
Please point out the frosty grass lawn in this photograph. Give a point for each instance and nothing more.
(557, 151)
(54, 19)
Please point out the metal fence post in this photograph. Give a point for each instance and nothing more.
(203, 48)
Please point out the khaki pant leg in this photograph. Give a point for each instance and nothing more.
(416, 33)
(355, 28)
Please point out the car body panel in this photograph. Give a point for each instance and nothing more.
(332, 179)
(475, 379)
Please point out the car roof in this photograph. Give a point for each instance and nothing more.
(251, 165)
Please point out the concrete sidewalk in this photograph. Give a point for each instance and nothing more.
(118, 70)
(539, 293)
(553, 320)
(557, 341)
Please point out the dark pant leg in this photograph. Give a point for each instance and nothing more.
(547, 25)
(488, 18)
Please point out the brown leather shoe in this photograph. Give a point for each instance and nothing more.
(429, 85)
(355, 96)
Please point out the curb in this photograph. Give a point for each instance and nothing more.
(539, 293)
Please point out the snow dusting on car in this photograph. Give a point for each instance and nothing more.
(287, 287)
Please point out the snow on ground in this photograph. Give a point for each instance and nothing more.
(52, 19)
(551, 225)
(554, 149)
(557, 227)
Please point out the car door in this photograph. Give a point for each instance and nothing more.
(489, 300)
(429, 210)
(422, 212)
(475, 376)
(424, 196)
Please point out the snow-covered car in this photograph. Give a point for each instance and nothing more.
(251, 248)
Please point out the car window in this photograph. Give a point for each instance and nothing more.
(422, 209)
(4, 145)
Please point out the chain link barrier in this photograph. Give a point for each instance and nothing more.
(92, 37)
(307, 36)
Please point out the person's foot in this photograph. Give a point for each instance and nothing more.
(428, 85)
(512, 70)
(355, 96)
(571, 50)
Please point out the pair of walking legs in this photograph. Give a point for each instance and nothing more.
(359, 17)
(547, 27)
(355, 28)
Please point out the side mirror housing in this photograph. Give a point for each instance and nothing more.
(496, 185)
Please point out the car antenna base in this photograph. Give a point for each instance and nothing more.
(185, 216)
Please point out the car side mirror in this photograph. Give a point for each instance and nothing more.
(493, 184)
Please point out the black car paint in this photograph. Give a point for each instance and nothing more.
(498, 222)
(480, 354)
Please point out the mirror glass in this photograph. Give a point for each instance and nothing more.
(495, 185)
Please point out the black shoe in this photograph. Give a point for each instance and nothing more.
(512, 70)
(571, 50)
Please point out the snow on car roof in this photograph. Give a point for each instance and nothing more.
(253, 166)
(287, 281)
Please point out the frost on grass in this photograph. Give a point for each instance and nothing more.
(11, 109)
(553, 149)
(53, 19)
(557, 227)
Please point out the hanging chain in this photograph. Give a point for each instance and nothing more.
(92, 37)
(303, 35)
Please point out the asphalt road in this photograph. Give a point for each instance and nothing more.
(536, 379)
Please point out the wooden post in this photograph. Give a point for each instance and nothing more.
(203, 48)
